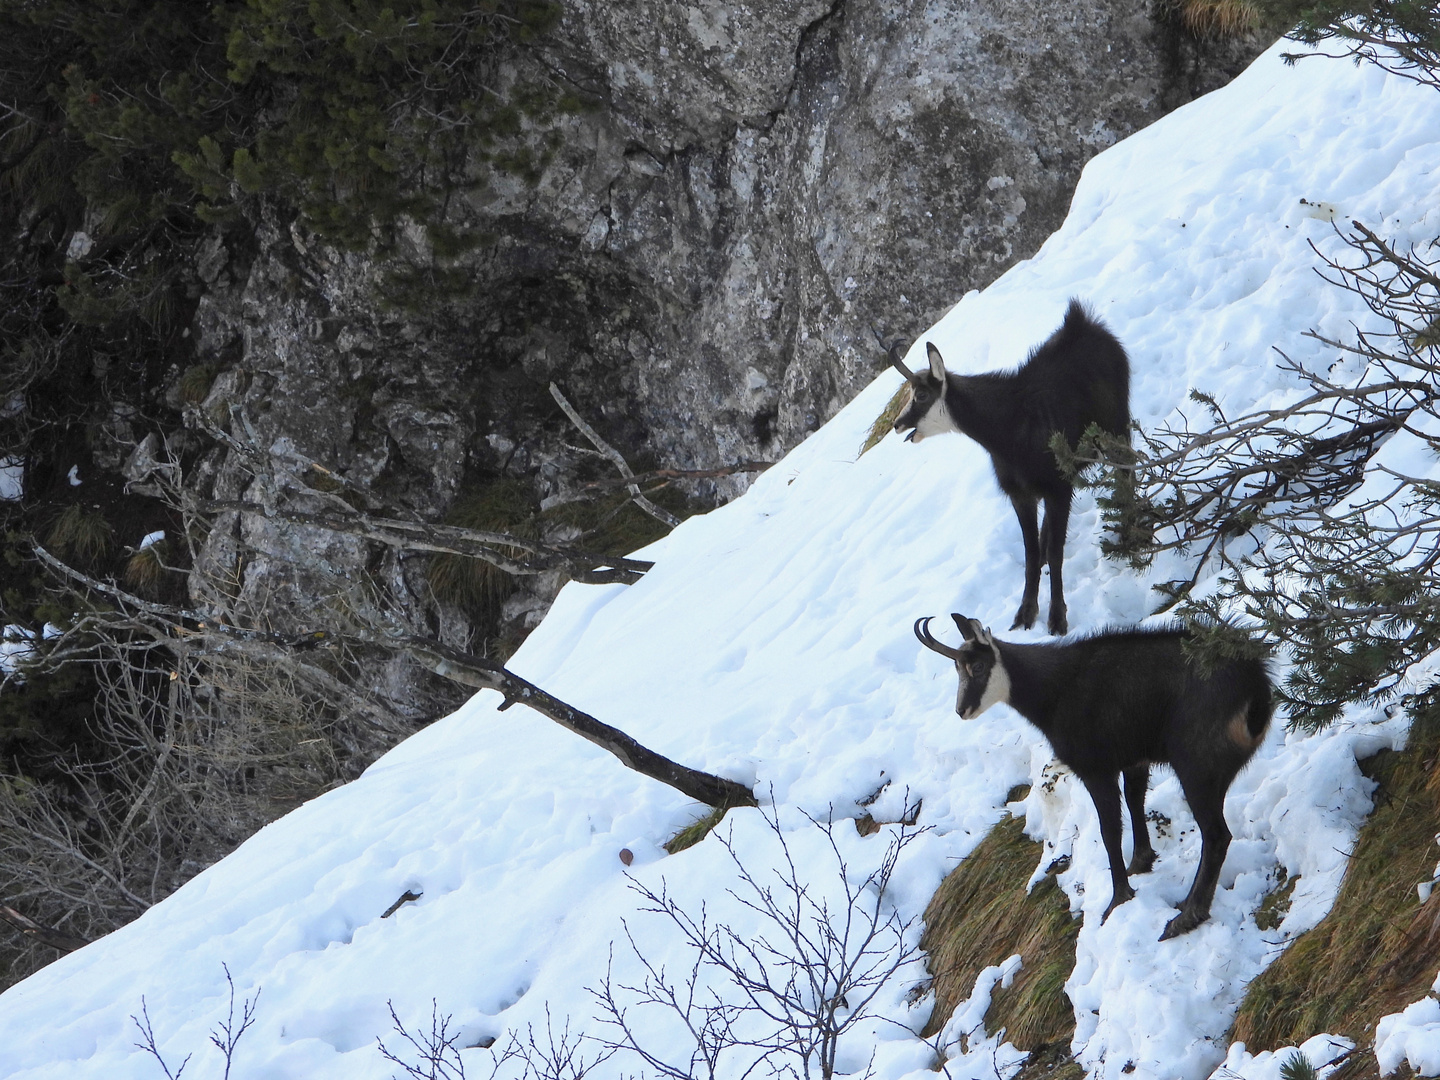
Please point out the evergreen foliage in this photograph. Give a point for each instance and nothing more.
(1331, 552)
(368, 111)
(1402, 36)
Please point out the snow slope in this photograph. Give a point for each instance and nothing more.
(772, 643)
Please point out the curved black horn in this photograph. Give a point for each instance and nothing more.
(899, 365)
(892, 352)
(922, 631)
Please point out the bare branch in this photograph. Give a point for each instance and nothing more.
(658, 513)
(47, 935)
(449, 663)
(454, 540)
(779, 995)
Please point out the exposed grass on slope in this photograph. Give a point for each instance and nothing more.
(886, 420)
(696, 831)
(981, 915)
(1379, 948)
(81, 533)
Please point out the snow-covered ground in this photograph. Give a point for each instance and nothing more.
(772, 643)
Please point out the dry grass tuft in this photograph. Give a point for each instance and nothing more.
(1218, 18)
(145, 570)
(195, 383)
(81, 533)
(885, 422)
(1377, 950)
(981, 915)
(473, 585)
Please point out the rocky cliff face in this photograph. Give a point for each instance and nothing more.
(700, 261)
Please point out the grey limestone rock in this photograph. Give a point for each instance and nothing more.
(700, 260)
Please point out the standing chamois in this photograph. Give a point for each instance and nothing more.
(1078, 377)
(1114, 703)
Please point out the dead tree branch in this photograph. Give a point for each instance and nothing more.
(201, 636)
(46, 935)
(455, 540)
(487, 675)
(658, 513)
(667, 475)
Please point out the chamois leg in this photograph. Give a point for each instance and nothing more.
(1052, 548)
(1105, 793)
(1206, 797)
(1030, 602)
(1137, 779)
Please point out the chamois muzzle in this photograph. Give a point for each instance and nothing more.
(922, 631)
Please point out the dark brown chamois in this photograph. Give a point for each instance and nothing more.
(1115, 703)
(1078, 377)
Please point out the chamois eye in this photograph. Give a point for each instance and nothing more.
(923, 395)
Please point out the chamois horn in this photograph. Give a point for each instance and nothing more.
(892, 352)
(922, 631)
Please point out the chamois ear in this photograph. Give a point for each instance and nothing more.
(973, 629)
(937, 362)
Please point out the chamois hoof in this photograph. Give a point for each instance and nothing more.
(1058, 624)
(1182, 924)
(1141, 863)
(1119, 898)
(1025, 617)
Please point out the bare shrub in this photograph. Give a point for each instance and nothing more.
(778, 999)
(226, 1034)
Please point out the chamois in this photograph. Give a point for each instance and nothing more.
(1079, 376)
(1114, 703)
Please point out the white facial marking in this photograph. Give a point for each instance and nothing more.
(936, 421)
(996, 692)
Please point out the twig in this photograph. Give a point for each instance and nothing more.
(455, 540)
(658, 513)
(682, 474)
(225, 1034)
(147, 1033)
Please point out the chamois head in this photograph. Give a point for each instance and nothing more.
(983, 679)
(925, 413)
